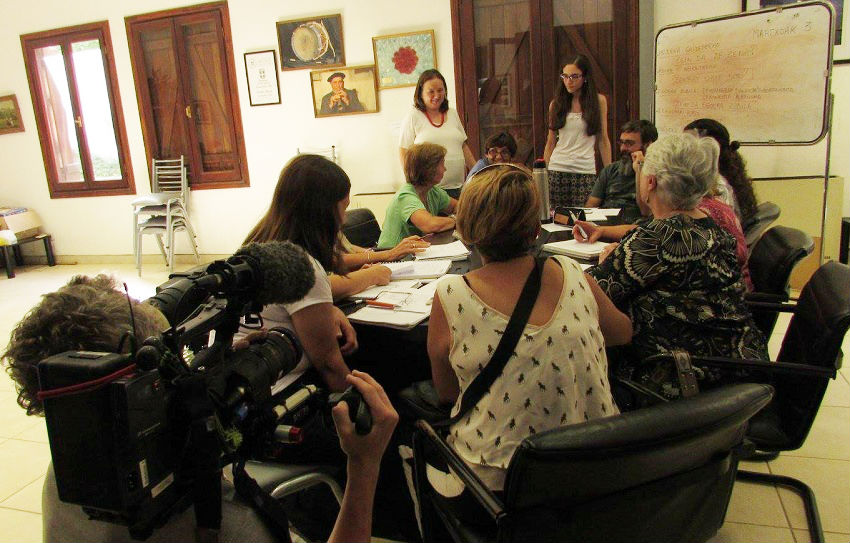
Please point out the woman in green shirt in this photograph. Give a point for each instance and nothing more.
(415, 208)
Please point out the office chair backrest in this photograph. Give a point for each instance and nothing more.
(771, 263)
(774, 257)
(361, 228)
(814, 336)
(664, 473)
(765, 214)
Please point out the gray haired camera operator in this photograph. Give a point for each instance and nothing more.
(91, 314)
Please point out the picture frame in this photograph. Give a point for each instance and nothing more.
(401, 58)
(841, 43)
(10, 115)
(260, 71)
(311, 42)
(350, 90)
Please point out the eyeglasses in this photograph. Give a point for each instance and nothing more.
(626, 142)
(501, 151)
(571, 77)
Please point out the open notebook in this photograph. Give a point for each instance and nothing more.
(455, 250)
(575, 249)
(418, 269)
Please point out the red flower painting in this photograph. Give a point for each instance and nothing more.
(405, 59)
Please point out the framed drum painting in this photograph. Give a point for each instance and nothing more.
(312, 42)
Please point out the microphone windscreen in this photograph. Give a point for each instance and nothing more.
(286, 270)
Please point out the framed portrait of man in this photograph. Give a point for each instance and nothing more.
(344, 91)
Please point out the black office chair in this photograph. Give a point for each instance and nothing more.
(361, 228)
(754, 227)
(771, 263)
(664, 473)
(809, 357)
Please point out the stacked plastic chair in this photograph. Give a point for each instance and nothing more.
(164, 211)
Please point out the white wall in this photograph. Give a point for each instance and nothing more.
(367, 144)
(777, 161)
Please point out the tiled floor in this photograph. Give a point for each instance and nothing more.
(757, 513)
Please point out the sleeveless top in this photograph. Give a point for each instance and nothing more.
(574, 151)
(558, 374)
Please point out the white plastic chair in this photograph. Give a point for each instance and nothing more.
(327, 152)
(164, 211)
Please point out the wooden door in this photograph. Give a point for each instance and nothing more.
(508, 54)
(185, 81)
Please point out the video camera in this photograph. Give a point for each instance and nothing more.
(137, 437)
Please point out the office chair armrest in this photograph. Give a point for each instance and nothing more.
(765, 297)
(489, 501)
(639, 389)
(770, 305)
(764, 365)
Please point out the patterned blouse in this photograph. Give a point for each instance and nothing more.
(679, 280)
(558, 374)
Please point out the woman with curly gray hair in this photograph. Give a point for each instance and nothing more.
(676, 273)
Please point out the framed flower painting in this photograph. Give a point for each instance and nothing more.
(401, 58)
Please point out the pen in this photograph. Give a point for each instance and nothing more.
(382, 305)
(580, 229)
(426, 237)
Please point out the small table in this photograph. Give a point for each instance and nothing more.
(12, 253)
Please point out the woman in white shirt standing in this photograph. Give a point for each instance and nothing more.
(578, 124)
(432, 121)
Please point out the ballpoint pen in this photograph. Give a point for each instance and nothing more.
(580, 229)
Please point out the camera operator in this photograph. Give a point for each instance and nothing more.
(90, 314)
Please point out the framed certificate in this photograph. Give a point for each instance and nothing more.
(261, 71)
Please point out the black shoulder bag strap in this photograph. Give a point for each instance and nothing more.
(482, 382)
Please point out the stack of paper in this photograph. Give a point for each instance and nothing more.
(392, 318)
(418, 269)
(575, 249)
(374, 292)
(410, 306)
(455, 250)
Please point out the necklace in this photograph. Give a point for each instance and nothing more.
(442, 119)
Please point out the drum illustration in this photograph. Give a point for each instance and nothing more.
(310, 41)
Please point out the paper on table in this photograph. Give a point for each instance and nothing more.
(418, 269)
(373, 292)
(404, 320)
(554, 227)
(595, 215)
(455, 250)
(575, 248)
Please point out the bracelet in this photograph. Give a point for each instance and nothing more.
(368, 256)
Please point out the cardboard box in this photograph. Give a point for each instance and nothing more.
(24, 224)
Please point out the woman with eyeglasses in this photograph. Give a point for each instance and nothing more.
(432, 121)
(578, 124)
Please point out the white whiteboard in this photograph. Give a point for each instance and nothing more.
(764, 74)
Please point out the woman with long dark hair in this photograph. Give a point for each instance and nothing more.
(307, 209)
(736, 187)
(578, 124)
(432, 121)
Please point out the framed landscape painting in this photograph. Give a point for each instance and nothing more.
(10, 115)
(401, 58)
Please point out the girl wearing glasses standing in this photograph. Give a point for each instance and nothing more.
(577, 125)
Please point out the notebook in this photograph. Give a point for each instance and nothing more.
(418, 269)
(575, 249)
(373, 292)
(391, 318)
(455, 250)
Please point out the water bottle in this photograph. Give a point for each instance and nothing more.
(542, 182)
